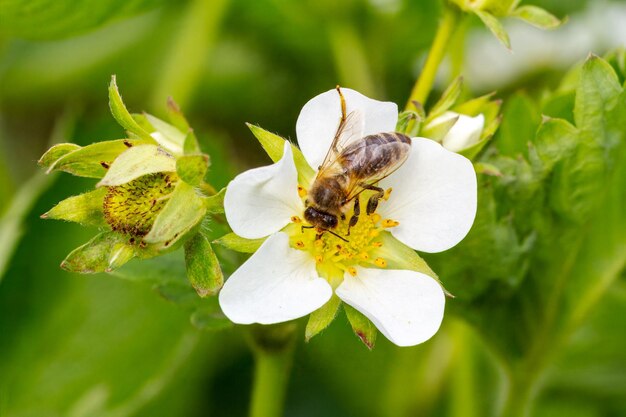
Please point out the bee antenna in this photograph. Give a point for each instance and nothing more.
(335, 234)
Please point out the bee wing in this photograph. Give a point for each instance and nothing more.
(350, 129)
(357, 186)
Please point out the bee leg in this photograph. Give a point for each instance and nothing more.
(372, 203)
(355, 216)
(305, 227)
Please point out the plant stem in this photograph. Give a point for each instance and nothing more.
(273, 354)
(424, 84)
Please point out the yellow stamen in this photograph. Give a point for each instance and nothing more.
(364, 256)
(377, 244)
(389, 223)
(319, 243)
(387, 193)
(319, 259)
(352, 271)
(300, 244)
(380, 262)
(376, 217)
(296, 219)
(301, 191)
(374, 232)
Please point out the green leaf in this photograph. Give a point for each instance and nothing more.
(520, 121)
(203, 268)
(322, 317)
(274, 146)
(537, 16)
(495, 27)
(215, 203)
(121, 114)
(192, 168)
(183, 212)
(362, 326)
(103, 253)
(208, 320)
(556, 139)
(138, 161)
(597, 91)
(240, 244)
(447, 100)
(85, 209)
(56, 152)
(90, 161)
(168, 268)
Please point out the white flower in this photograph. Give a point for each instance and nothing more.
(464, 133)
(431, 209)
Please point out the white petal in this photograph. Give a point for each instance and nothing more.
(433, 197)
(406, 306)
(277, 284)
(464, 133)
(319, 119)
(262, 200)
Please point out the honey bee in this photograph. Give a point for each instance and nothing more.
(354, 163)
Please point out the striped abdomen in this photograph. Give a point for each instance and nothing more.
(375, 156)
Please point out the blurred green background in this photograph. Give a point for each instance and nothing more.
(77, 346)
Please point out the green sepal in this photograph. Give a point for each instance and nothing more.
(91, 161)
(184, 210)
(475, 106)
(85, 209)
(409, 123)
(215, 203)
(105, 252)
(239, 244)
(362, 326)
(190, 144)
(447, 100)
(121, 114)
(274, 146)
(170, 137)
(203, 268)
(322, 317)
(176, 116)
(494, 25)
(55, 153)
(136, 162)
(537, 17)
(192, 168)
(438, 131)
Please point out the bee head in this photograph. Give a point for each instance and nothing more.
(320, 219)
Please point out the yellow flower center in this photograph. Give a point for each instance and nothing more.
(335, 249)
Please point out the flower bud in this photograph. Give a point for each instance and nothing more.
(463, 133)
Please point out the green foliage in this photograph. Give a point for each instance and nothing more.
(549, 230)
(46, 19)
